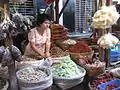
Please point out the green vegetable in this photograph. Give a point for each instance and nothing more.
(66, 68)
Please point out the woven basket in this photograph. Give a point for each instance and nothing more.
(75, 56)
(95, 71)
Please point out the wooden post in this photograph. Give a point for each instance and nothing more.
(107, 57)
(57, 11)
(101, 51)
(104, 54)
(107, 51)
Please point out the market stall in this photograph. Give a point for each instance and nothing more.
(73, 62)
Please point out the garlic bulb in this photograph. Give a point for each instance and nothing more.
(105, 17)
(69, 42)
(107, 41)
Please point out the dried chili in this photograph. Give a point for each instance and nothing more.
(80, 47)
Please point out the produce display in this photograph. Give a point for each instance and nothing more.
(95, 68)
(110, 85)
(23, 23)
(102, 79)
(84, 60)
(107, 41)
(57, 52)
(32, 74)
(69, 42)
(66, 68)
(30, 58)
(65, 44)
(65, 72)
(58, 32)
(105, 17)
(80, 47)
(7, 26)
(7, 56)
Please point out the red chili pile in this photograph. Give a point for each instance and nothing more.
(84, 60)
(80, 47)
(102, 79)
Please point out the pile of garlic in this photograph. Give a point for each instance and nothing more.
(107, 41)
(69, 42)
(105, 17)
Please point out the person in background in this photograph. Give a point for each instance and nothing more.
(39, 38)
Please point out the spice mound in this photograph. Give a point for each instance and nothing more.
(57, 52)
(31, 74)
(80, 47)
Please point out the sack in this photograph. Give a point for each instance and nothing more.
(66, 83)
(32, 62)
(35, 84)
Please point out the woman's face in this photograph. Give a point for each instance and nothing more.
(45, 24)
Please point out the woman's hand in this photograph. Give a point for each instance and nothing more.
(42, 54)
(47, 54)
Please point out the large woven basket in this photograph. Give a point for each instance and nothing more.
(75, 56)
(95, 71)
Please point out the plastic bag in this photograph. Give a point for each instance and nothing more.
(47, 63)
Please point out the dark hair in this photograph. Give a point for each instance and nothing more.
(41, 18)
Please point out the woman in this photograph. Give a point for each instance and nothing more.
(39, 38)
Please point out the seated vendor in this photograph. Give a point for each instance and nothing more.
(39, 38)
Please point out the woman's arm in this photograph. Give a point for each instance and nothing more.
(48, 43)
(36, 49)
(47, 47)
